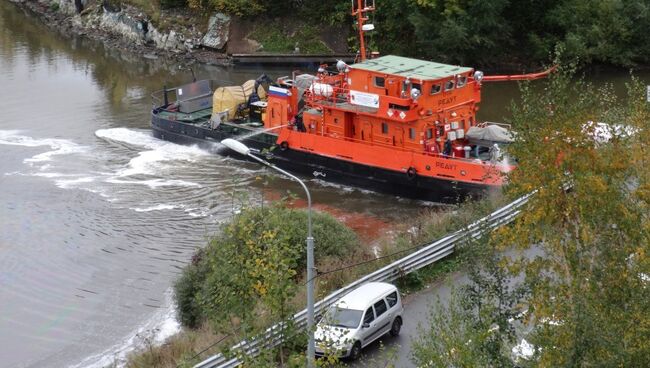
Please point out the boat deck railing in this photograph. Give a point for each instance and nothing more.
(420, 151)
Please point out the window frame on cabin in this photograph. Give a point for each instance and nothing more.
(462, 78)
(433, 86)
(376, 78)
(451, 83)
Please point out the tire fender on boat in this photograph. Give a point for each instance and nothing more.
(284, 145)
(411, 173)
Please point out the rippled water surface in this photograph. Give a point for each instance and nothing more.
(97, 218)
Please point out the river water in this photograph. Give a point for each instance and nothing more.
(97, 218)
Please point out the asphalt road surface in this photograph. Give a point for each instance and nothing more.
(396, 351)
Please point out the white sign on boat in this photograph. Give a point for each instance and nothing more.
(364, 99)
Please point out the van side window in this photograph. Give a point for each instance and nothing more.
(369, 317)
(380, 307)
(392, 299)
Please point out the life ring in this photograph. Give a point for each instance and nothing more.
(284, 145)
(411, 173)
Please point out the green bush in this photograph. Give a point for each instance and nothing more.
(186, 287)
(258, 257)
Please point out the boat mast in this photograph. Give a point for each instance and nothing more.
(359, 11)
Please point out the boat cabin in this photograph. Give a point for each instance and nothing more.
(404, 103)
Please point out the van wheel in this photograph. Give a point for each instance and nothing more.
(397, 326)
(356, 351)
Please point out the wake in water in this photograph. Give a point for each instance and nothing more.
(57, 146)
(156, 158)
(159, 166)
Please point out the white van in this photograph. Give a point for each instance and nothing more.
(359, 318)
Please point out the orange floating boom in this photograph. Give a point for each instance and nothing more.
(518, 77)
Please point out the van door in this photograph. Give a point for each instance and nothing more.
(369, 321)
(380, 325)
(382, 318)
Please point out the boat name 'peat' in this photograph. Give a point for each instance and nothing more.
(445, 166)
(444, 101)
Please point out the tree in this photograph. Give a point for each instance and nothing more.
(584, 153)
(476, 327)
(460, 31)
(589, 303)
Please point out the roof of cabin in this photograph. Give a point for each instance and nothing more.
(411, 68)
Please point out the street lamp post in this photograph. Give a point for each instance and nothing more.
(241, 148)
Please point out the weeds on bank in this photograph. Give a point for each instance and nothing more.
(303, 40)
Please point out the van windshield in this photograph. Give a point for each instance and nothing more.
(341, 317)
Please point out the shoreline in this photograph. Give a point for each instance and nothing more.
(88, 24)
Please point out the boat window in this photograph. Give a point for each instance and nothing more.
(398, 107)
(411, 133)
(416, 86)
(429, 133)
(384, 128)
(380, 82)
(462, 81)
(435, 89)
(449, 85)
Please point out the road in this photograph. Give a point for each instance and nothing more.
(397, 350)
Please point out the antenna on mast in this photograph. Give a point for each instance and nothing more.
(359, 10)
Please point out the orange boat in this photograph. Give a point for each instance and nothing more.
(389, 123)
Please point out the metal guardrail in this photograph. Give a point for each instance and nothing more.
(425, 256)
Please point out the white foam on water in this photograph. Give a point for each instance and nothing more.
(342, 187)
(146, 140)
(156, 183)
(57, 146)
(158, 328)
(160, 207)
(158, 155)
(52, 175)
(73, 183)
(196, 212)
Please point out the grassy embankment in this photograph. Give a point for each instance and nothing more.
(203, 291)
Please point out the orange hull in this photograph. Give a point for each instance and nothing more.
(422, 164)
